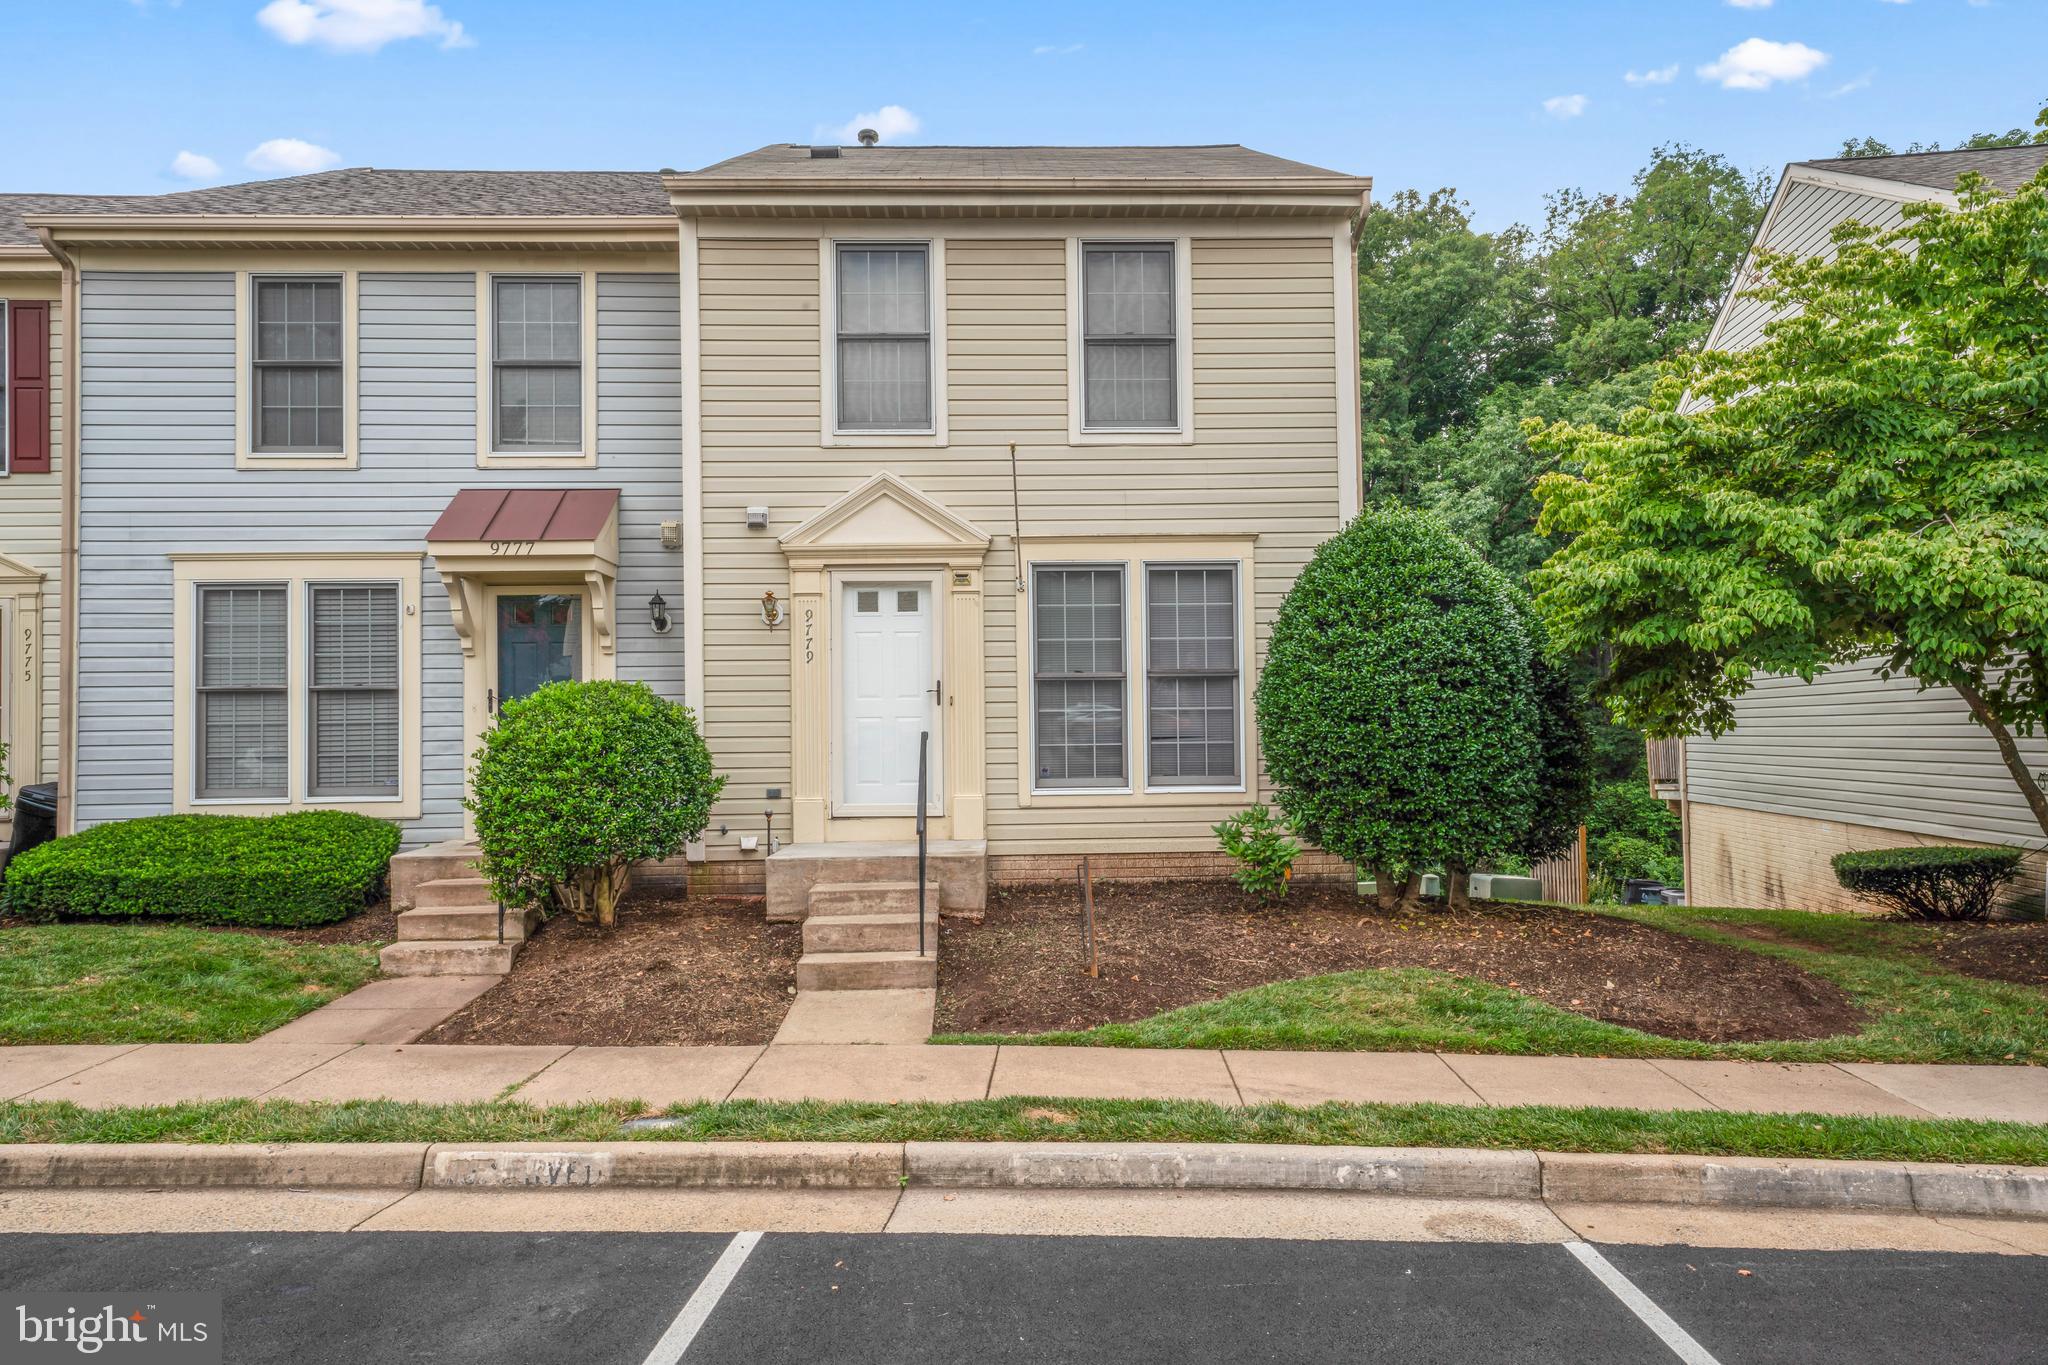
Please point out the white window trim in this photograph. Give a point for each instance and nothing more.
(1134, 555)
(6, 395)
(298, 573)
(1183, 431)
(487, 457)
(246, 454)
(935, 436)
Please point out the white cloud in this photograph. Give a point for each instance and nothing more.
(1057, 49)
(359, 25)
(1862, 82)
(193, 166)
(892, 121)
(1759, 63)
(290, 156)
(1565, 106)
(1656, 75)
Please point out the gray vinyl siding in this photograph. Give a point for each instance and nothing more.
(1851, 746)
(1854, 747)
(159, 478)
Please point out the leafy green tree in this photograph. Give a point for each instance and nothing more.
(1436, 319)
(1395, 705)
(1870, 479)
(2011, 137)
(1564, 748)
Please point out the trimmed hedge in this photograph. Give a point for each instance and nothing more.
(1938, 881)
(306, 867)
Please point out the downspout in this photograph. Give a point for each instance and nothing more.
(691, 347)
(67, 544)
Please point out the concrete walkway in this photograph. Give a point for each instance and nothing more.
(280, 1068)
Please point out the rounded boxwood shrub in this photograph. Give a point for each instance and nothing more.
(1395, 704)
(1939, 881)
(306, 867)
(577, 782)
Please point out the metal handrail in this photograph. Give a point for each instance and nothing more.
(924, 743)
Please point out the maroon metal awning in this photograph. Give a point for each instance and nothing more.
(539, 514)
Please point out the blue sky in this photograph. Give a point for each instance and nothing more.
(1504, 99)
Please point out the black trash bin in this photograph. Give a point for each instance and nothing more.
(35, 818)
(1642, 891)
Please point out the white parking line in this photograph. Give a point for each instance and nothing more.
(697, 1311)
(1656, 1319)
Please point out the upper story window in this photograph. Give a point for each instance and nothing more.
(1128, 336)
(297, 361)
(884, 360)
(5, 371)
(537, 364)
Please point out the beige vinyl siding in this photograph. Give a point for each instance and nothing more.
(31, 532)
(1802, 225)
(1263, 463)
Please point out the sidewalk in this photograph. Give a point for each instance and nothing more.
(170, 1073)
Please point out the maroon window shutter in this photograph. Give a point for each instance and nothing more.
(28, 387)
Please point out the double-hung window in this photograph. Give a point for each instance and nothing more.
(537, 364)
(298, 366)
(244, 691)
(1129, 361)
(884, 338)
(1191, 675)
(299, 683)
(1078, 678)
(353, 682)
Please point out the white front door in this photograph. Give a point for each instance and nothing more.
(889, 684)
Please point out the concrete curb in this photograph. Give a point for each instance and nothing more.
(1424, 1172)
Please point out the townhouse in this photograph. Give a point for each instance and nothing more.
(1001, 457)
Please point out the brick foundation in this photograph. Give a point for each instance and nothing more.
(1023, 869)
(1763, 860)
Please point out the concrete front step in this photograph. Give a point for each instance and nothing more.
(959, 866)
(454, 891)
(440, 923)
(872, 898)
(869, 971)
(450, 858)
(887, 932)
(464, 957)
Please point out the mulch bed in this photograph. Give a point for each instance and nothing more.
(705, 970)
(1162, 945)
(1996, 952)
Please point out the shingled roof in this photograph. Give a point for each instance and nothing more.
(362, 191)
(2007, 168)
(14, 232)
(790, 161)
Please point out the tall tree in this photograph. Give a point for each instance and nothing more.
(1870, 479)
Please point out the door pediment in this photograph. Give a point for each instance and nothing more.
(885, 518)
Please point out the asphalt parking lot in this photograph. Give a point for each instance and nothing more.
(311, 1298)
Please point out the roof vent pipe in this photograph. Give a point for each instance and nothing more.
(868, 137)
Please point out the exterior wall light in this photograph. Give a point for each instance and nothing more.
(657, 613)
(771, 610)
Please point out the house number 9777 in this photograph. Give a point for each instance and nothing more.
(512, 547)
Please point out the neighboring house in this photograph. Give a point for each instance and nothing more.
(1851, 760)
(33, 322)
(1016, 447)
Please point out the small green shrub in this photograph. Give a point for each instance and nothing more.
(1939, 881)
(1263, 850)
(579, 781)
(306, 867)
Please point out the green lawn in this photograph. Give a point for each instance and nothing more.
(1041, 1120)
(151, 983)
(1915, 1011)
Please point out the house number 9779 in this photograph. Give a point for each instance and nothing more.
(810, 632)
